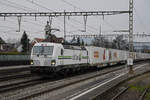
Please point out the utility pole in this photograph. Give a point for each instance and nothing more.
(64, 27)
(130, 58)
(19, 23)
(100, 30)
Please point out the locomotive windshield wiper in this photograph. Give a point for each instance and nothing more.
(37, 55)
(41, 50)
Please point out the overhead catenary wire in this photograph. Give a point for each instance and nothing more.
(53, 11)
(33, 2)
(71, 4)
(16, 6)
(45, 8)
(14, 31)
(110, 25)
(48, 9)
(37, 4)
(79, 9)
(12, 6)
(20, 6)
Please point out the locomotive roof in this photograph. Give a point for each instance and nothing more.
(74, 47)
(65, 46)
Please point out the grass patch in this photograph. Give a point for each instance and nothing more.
(137, 88)
(147, 97)
(141, 89)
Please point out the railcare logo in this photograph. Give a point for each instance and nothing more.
(96, 54)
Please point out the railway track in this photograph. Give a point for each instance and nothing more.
(84, 81)
(116, 97)
(37, 87)
(144, 94)
(15, 76)
(142, 97)
(18, 85)
(34, 88)
(120, 93)
(8, 71)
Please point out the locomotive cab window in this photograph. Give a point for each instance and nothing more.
(43, 50)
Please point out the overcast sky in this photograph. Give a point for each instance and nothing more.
(74, 24)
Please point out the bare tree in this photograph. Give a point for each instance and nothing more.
(120, 43)
(101, 42)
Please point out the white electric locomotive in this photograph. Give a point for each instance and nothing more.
(53, 57)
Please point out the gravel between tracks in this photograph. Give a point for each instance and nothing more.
(48, 86)
(21, 93)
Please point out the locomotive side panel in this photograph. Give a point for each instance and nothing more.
(72, 57)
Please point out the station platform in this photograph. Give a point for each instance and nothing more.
(10, 69)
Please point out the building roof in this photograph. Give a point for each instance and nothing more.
(2, 41)
(53, 38)
(39, 40)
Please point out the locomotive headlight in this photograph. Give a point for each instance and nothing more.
(53, 62)
(31, 62)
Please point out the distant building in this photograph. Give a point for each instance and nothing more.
(141, 42)
(7, 47)
(142, 46)
(36, 40)
(52, 38)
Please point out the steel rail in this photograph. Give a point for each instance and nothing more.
(143, 94)
(120, 93)
(65, 84)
